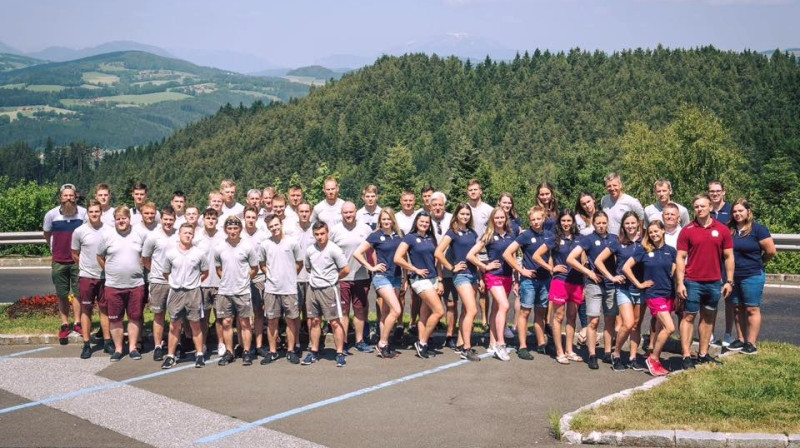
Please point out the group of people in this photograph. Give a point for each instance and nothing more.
(277, 260)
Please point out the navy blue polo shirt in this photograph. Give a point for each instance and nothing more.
(657, 266)
(461, 243)
(494, 250)
(420, 252)
(385, 247)
(560, 249)
(593, 244)
(529, 241)
(747, 252)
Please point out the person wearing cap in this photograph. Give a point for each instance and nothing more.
(236, 263)
(59, 223)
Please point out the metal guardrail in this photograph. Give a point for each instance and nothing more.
(786, 242)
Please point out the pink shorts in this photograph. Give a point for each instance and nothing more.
(498, 280)
(660, 305)
(561, 292)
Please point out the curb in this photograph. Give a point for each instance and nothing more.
(25, 262)
(667, 438)
(36, 339)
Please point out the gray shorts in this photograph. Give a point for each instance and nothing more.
(186, 303)
(324, 302)
(257, 294)
(209, 296)
(276, 305)
(234, 306)
(158, 297)
(600, 300)
(302, 293)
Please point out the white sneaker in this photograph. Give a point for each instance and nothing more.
(508, 334)
(727, 339)
(501, 353)
(490, 350)
(221, 348)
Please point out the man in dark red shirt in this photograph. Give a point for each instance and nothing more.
(699, 280)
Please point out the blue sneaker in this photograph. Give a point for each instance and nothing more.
(340, 361)
(363, 347)
(347, 351)
(310, 358)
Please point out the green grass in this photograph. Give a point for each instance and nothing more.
(554, 417)
(99, 78)
(149, 98)
(42, 324)
(45, 88)
(758, 393)
(13, 86)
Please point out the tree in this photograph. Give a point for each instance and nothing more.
(396, 175)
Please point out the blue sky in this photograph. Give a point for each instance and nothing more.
(296, 32)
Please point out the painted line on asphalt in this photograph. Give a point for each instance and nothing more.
(26, 352)
(782, 286)
(90, 390)
(319, 404)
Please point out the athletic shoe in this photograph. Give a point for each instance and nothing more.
(501, 353)
(398, 334)
(655, 367)
(269, 357)
(749, 349)
(292, 358)
(158, 354)
(508, 334)
(63, 334)
(708, 359)
(108, 347)
(363, 347)
(247, 358)
(470, 355)
(386, 352)
(86, 352)
(227, 358)
(574, 357)
(179, 353)
(450, 342)
(310, 358)
(687, 363)
(199, 361)
(459, 349)
(523, 353)
(715, 341)
(116, 356)
(168, 363)
(542, 349)
(221, 349)
(347, 351)
(490, 350)
(238, 351)
(636, 364)
(77, 328)
(736, 345)
(616, 364)
(422, 350)
(135, 355)
(727, 339)
(607, 358)
(262, 351)
(340, 361)
(592, 363)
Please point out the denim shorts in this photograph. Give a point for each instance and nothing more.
(749, 291)
(386, 281)
(628, 295)
(705, 294)
(534, 292)
(464, 278)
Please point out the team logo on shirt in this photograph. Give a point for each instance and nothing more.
(714, 233)
(563, 242)
(496, 238)
(597, 243)
(383, 238)
(419, 240)
(651, 254)
(533, 240)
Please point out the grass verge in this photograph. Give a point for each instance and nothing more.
(47, 324)
(757, 393)
(554, 417)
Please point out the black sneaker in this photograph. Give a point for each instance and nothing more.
(687, 363)
(158, 354)
(179, 351)
(616, 364)
(637, 365)
(422, 350)
(340, 360)
(226, 359)
(199, 361)
(247, 358)
(470, 355)
(347, 351)
(542, 349)
(386, 352)
(523, 353)
(238, 351)
(459, 349)
(749, 349)
(108, 347)
(292, 358)
(592, 363)
(116, 356)
(398, 334)
(450, 342)
(268, 358)
(736, 345)
(607, 358)
(168, 363)
(86, 352)
(310, 358)
(135, 355)
(708, 359)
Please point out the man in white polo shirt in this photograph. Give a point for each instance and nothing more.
(185, 266)
(255, 236)
(369, 213)
(329, 210)
(617, 202)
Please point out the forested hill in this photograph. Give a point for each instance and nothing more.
(689, 115)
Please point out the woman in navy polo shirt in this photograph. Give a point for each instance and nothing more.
(628, 296)
(752, 248)
(546, 197)
(498, 276)
(566, 286)
(658, 268)
(598, 292)
(387, 277)
(415, 255)
(506, 202)
(459, 239)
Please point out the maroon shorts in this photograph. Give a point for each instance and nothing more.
(91, 290)
(122, 301)
(354, 294)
